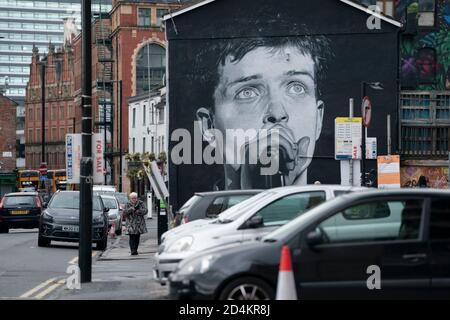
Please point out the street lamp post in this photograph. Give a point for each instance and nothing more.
(43, 70)
(375, 86)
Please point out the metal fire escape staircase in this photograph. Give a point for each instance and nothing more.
(104, 83)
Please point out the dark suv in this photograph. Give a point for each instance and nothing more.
(204, 205)
(60, 220)
(20, 210)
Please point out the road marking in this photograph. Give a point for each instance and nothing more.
(47, 291)
(37, 288)
(75, 260)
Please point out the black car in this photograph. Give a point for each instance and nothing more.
(335, 249)
(20, 210)
(203, 205)
(60, 220)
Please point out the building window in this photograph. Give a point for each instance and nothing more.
(54, 134)
(144, 17)
(38, 114)
(62, 134)
(30, 114)
(143, 145)
(134, 145)
(30, 135)
(134, 118)
(387, 7)
(161, 116)
(38, 135)
(153, 145)
(61, 112)
(160, 13)
(144, 115)
(427, 13)
(150, 68)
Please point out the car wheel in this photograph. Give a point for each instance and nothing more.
(103, 244)
(247, 288)
(43, 242)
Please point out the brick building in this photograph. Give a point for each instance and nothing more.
(138, 50)
(7, 144)
(61, 114)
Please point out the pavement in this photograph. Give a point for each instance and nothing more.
(116, 275)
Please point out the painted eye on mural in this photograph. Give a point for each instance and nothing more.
(247, 93)
(296, 88)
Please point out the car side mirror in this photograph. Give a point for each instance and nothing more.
(254, 222)
(314, 238)
(105, 210)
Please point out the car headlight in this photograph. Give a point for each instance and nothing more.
(198, 265)
(113, 216)
(47, 217)
(180, 245)
(98, 219)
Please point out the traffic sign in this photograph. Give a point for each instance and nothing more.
(43, 169)
(366, 112)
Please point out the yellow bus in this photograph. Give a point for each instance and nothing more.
(28, 180)
(58, 179)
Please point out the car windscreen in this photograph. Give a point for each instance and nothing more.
(109, 203)
(236, 210)
(193, 200)
(18, 201)
(72, 201)
(121, 197)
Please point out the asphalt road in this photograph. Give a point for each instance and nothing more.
(24, 266)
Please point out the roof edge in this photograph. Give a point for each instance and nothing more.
(373, 13)
(350, 3)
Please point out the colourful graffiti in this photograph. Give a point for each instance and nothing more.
(425, 61)
(437, 177)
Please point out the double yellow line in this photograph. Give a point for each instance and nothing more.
(45, 288)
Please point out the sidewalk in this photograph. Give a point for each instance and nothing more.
(116, 275)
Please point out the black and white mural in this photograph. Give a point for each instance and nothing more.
(255, 86)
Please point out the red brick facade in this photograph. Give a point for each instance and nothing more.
(61, 113)
(7, 134)
(127, 39)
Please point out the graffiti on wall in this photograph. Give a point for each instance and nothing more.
(425, 57)
(437, 177)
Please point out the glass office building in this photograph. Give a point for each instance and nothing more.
(24, 23)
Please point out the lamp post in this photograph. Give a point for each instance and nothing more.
(375, 86)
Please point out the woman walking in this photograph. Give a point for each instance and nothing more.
(135, 212)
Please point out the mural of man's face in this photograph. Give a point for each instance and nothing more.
(272, 89)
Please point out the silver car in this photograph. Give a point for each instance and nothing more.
(247, 220)
(114, 216)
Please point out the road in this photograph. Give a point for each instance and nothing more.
(25, 267)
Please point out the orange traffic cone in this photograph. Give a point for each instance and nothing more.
(286, 283)
(112, 231)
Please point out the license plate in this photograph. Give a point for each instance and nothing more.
(70, 228)
(19, 212)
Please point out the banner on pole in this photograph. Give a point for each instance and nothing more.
(73, 157)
